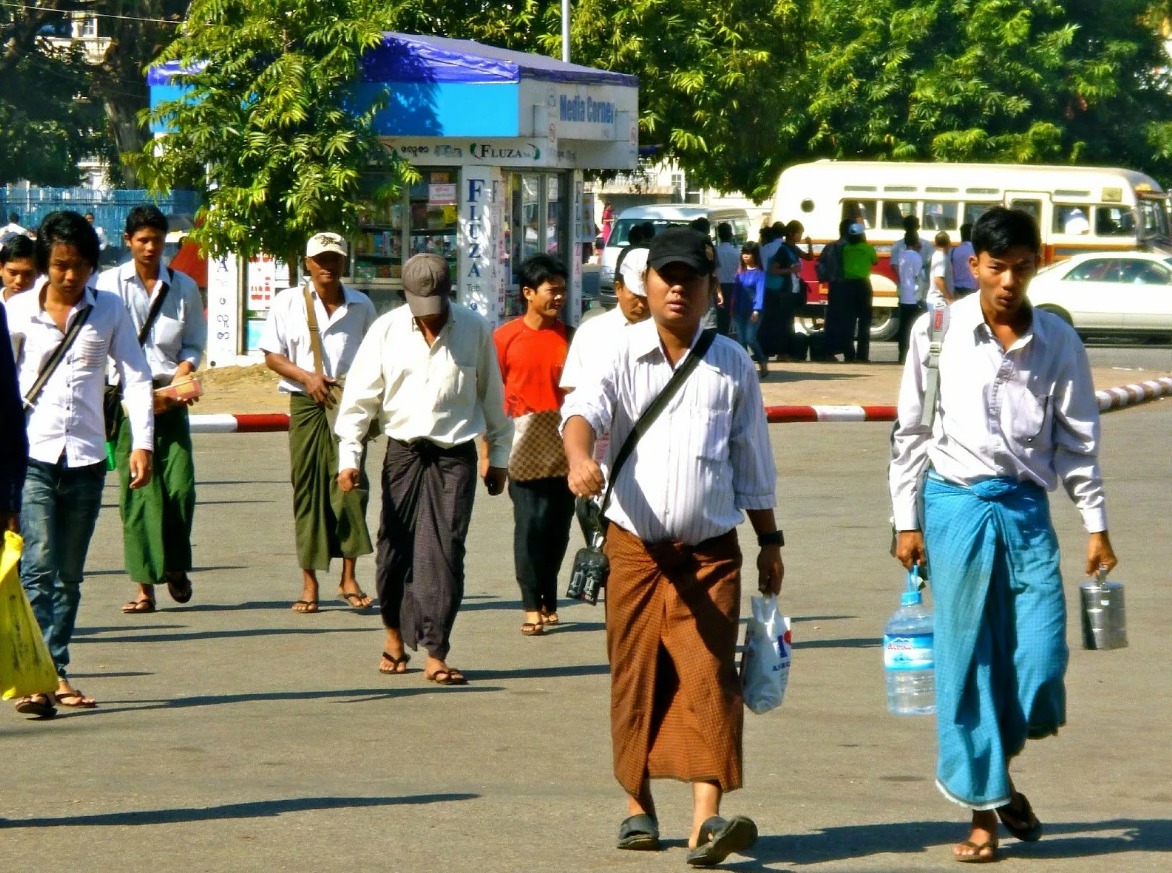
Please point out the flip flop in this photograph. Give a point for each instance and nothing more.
(1012, 819)
(354, 599)
(395, 671)
(722, 837)
(310, 606)
(550, 618)
(34, 707)
(976, 857)
(76, 696)
(639, 833)
(180, 589)
(450, 677)
(138, 606)
(532, 629)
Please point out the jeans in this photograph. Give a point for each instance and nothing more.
(57, 520)
(543, 510)
(747, 333)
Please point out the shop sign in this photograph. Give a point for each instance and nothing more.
(442, 194)
(432, 152)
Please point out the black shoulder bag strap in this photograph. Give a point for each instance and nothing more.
(153, 314)
(54, 360)
(647, 418)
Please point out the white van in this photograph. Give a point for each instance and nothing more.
(663, 215)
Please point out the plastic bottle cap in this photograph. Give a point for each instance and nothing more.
(911, 598)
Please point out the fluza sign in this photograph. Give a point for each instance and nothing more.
(588, 111)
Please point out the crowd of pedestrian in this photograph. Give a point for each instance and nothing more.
(648, 410)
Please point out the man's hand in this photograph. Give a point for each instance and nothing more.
(140, 468)
(318, 387)
(495, 479)
(753, 318)
(770, 570)
(585, 477)
(10, 521)
(183, 374)
(1100, 553)
(909, 548)
(719, 297)
(348, 479)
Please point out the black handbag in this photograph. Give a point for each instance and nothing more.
(112, 396)
(591, 567)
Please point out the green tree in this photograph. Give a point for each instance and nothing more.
(267, 131)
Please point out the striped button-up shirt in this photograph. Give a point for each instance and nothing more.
(706, 457)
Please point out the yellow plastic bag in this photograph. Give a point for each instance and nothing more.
(25, 664)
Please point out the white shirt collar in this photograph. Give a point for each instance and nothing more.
(645, 338)
(128, 273)
(967, 314)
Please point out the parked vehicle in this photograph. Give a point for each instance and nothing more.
(1109, 293)
(1078, 209)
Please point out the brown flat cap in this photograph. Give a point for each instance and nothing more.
(427, 284)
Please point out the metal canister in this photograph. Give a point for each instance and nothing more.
(1104, 614)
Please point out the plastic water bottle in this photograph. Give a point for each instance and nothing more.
(907, 655)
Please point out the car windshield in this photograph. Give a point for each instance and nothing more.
(622, 228)
(1153, 219)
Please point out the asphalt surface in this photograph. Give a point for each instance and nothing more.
(235, 735)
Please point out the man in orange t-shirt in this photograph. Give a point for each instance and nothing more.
(532, 352)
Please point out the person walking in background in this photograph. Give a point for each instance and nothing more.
(941, 291)
(964, 280)
(13, 228)
(607, 222)
(1016, 414)
(728, 261)
(64, 335)
(829, 271)
(674, 591)
(311, 338)
(912, 289)
(18, 268)
(712, 316)
(748, 299)
(911, 224)
(102, 242)
(787, 264)
(532, 353)
(858, 258)
(168, 318)
(428, 373)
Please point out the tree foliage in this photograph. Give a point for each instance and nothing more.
(266, 131)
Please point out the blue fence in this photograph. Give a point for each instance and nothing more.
(110, 208)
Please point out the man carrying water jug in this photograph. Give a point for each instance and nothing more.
(1015, 413)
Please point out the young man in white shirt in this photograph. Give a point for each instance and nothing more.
(13, 227)
(311, 338)
(157, 519)
(428, 373)
(66, 428)
(728, 261)
(18, 268)
(1016, 414)
(673, 595)
(911, 289)
(941, 291)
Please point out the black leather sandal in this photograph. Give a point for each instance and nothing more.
(639, 833)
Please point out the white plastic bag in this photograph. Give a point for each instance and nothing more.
(766, 660)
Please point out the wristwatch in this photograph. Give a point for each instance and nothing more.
(777, 538)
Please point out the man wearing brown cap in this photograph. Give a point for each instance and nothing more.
(674, 592)
(428, 373)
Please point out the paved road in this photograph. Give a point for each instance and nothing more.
(234, 735)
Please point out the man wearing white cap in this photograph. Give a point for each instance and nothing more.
(310, 338)
(428, 373)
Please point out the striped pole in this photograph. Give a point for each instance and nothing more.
(1109, 400)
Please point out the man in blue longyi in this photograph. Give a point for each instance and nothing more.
(1015, 415)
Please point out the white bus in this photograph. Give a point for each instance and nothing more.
(1078, 209)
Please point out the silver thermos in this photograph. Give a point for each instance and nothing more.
(1104, 615)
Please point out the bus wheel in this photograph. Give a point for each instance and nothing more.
(884, 324)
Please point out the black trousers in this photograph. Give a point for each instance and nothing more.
(543, 510)
(723, 318)
(856, 328)
(908, 313)
(419, 564)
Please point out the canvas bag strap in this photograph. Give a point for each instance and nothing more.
(937, 328)
(153, 314)
(54, 360)
(647, 418)
(314, 333)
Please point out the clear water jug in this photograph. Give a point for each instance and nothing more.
(1104, 614)
(907, 655)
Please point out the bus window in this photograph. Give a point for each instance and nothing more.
(1071, 220)
(895, 212)
(940, 215)
(864, 212)
(1114, 221)
(973, 211)
(740, 231)
(1153, 219)
(1033, 207)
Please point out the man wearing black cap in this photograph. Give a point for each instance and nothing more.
(428, 373)
(673, 596)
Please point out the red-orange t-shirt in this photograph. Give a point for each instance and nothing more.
(531, 366)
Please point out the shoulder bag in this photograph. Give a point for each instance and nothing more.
(112, 398)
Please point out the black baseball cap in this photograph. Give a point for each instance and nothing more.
(682, 245)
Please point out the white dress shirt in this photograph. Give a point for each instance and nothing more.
(706, 457)
(728, 261)
(67, 418)
(448, 393)
(286, 332)
(180, 333)
(594, 344)
(911, 274)
(941, 269)
(1028, 413)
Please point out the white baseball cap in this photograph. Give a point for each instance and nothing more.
(325, 242)
(632, 268)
